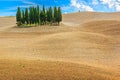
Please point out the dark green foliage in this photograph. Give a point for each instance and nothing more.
(38, 15)
(34, 15)
(55, 14)
(50, 15)
(26, 16)
(18, 16)
(59, 17)
(30, 15)
(42, 17)
(43, 9)
(23, 17)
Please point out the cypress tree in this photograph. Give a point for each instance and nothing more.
(35, 15)
(18, 16)
(55, 14)
(40, 17)
(49, 15)
(23, 17)
(59, 15)
(26, 15)
(43, 9)
(44, 15)
(30, 15)
(38, 14)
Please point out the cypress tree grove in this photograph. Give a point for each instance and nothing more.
(34, 15)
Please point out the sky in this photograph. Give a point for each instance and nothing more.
(9, 7)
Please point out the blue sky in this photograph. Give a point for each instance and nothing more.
(9, 7)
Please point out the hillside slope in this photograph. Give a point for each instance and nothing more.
(75, 19)
(85, 47)
(7, 22)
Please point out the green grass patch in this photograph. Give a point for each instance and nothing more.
(27, 25)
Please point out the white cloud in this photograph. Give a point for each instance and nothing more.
(80, 6)
(87, 8)
(118, 0)
(83, 6)
(112, 4)
(117, 7)
(28, 2)
(75, 3)
(95, 2)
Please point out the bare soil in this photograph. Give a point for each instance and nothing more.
(86, 46)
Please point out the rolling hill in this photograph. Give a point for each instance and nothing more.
(85, 46)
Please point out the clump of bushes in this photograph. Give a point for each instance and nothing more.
(35, 16)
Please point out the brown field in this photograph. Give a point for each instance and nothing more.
(86, 46)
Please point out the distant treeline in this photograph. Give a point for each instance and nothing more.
(34, 15)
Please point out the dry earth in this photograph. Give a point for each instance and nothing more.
(85, 47)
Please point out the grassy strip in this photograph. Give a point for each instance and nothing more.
(27, 25)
